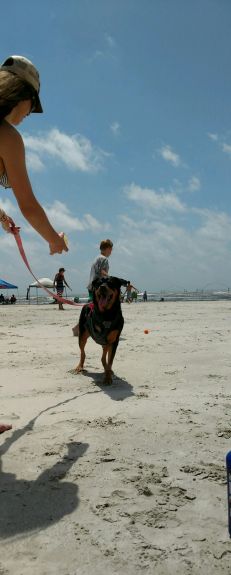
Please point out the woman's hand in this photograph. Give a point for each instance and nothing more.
(58, 246)
(6, 221)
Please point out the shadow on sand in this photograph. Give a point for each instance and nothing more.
(37, 504)
(119, 390)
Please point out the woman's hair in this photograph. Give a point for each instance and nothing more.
(12, 91)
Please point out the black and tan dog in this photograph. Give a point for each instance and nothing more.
(103, 321)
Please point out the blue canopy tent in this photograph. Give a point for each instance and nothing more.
(6, 285)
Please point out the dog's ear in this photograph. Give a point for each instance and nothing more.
(117, 282)
(96, 283)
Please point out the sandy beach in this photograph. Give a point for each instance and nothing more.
(123, 479)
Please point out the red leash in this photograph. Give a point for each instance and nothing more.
(15, 232)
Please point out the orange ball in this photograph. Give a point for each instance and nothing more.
(146, 330)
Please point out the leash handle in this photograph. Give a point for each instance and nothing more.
(16, 234)
(62, 235)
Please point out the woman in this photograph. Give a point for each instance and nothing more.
(19, 97)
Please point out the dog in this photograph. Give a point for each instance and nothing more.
(102, 320)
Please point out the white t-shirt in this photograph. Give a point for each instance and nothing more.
(100, 263)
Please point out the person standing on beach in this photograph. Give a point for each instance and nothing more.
(145, 296)
(59, 282)
(128, 291)
(100, 266)
(19, 97)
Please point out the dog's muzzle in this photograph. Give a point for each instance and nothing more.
(104, 296)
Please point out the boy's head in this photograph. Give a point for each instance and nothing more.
(106, 247)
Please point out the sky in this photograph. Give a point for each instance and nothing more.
(134, 143)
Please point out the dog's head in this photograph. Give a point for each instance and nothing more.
(106, 292)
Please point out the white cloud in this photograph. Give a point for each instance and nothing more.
(97, 54)
(8, 206)
(164, 255)
(34, 162)
(110, 40)
(106, 52)
(7, 241)
(64, 220)
(93, 224)
(213, 137)
(115, 128)
(76, 151)
(160, 243)
(194, 184)
(215, 225)
(227, 149)
(149, 199)
(170, 156)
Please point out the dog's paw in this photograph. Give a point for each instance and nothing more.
(107, 380)
(77, 369)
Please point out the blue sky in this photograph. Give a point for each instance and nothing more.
(135, 140)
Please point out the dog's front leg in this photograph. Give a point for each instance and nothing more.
(109, 351)
(82, 342)
(107, 370)
(104, 356)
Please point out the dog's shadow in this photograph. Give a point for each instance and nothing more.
(118, 390)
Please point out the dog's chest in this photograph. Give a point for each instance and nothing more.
(99, 328)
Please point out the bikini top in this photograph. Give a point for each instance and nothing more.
(4, 181)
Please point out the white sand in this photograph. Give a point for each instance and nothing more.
(127, 479)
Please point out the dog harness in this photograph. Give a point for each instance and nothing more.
(100, 328)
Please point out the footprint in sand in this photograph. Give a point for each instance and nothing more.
(147, 476)
(141, 394)
(164, 511)
(105, 422)
(226, 433)
(209, 471)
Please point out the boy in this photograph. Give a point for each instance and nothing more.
(100, 266)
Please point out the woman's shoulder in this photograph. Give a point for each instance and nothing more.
(9, 136)
(9, 131)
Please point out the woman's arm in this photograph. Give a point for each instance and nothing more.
(12, 153)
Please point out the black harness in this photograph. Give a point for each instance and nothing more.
(100, 326)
